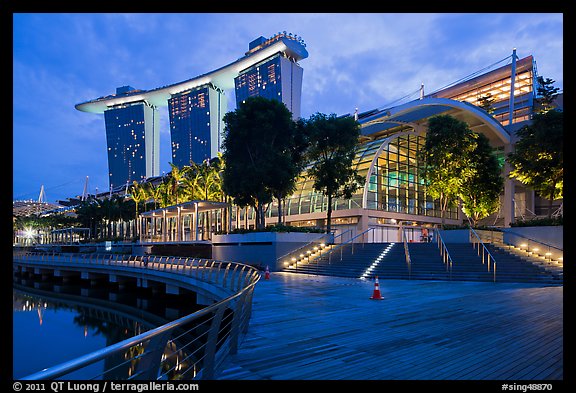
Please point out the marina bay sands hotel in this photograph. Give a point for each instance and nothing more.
(196, 108)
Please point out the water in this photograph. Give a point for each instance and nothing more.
(54, 323)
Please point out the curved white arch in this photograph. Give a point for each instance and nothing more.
(391, 115)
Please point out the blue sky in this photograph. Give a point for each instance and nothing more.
(363, 61)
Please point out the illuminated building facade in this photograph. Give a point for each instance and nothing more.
(196, 107)
(196, 124)
(496, 84)
(393, 195)
(278, 78)
(133, 141)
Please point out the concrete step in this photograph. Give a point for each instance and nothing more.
(426, 263)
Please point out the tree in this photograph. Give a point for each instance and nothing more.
(446, 157)
(538, 159)
(333, 142)
(203, 181)
(290, 162)
(486, 102)
(257, 142)
(138, 195)
(547, 93)
(480, 193)
(175, 178)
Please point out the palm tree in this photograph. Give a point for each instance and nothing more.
(203, 181)
(138, 195)
(175, 180)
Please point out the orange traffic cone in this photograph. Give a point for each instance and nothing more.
(267, 274)
(376, 295)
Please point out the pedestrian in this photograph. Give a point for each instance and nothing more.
(425, 235)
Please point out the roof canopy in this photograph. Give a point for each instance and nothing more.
(415, 115)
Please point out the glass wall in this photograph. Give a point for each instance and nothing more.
(394, 184)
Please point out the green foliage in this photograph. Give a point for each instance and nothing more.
(461, 165)
(280, 228)
(486, 102)
(547, 94)
(333, 143)
(446, 156)
(204, 181)
(538, 159)
(548, 221)
(480, 192)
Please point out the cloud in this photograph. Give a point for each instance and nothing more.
(359, 60)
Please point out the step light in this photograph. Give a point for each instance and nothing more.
(376, 262)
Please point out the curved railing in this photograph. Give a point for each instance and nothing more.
(192, 347)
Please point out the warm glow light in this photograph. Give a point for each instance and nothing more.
(29, 233)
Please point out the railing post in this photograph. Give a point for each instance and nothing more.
(149, 364)
(210, 348)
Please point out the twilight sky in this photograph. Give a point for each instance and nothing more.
(363, 61)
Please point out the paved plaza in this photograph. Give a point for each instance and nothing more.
(307, 327)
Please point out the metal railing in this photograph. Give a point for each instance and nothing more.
(293, 256)
(538, 248)
(444, 253)
(350, 243)
(192, 347)
(487, 257)
(407, 254)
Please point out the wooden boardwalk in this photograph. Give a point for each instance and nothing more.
(307, 327)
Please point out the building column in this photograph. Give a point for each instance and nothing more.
(509, 190)
(178, 224)
(164, 226)
(196, 221)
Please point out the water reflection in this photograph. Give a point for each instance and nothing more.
(56, 322)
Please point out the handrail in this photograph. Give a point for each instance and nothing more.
(147, 355)
(530, 245)
(299, 249)
(527, 238)
(444, 253)
(351, 241)
(407, 253)
(484, 252)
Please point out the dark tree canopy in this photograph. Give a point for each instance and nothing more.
(480, 193)
(446, 155)
(333, 142)
(538, 159)
(260, 154)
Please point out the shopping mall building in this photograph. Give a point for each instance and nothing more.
(394, 195)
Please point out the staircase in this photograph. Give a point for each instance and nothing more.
(512, 267)
(353, 263)
(388, 261)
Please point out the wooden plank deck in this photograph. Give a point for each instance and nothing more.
(306, 327)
